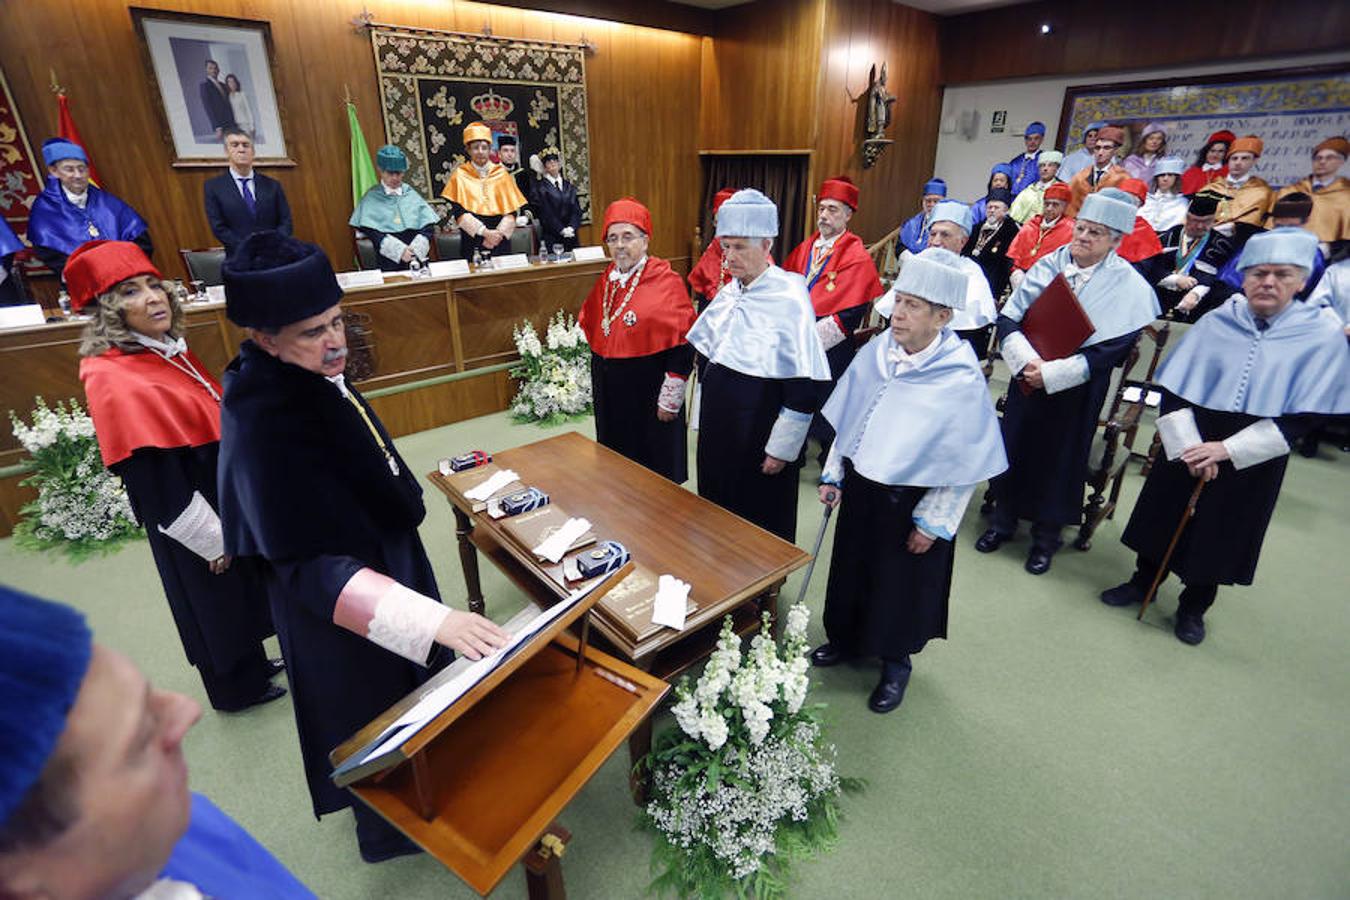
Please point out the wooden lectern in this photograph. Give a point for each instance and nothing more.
(478, 787)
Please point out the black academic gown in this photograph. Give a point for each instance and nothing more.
(557, 209)
(10, 292)
(375, 236)
(1222, 542)
(881, 600)
(1048, 438)
(993, 260)
(1206, 268)
(306, 488)
(221, 619)
(624, 391)
(736, 416)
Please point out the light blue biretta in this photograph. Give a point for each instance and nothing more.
(44, 652)
(1116, 213)
(56, 149)
(955, 212)
(1286, 246)
(936, 186)
(1123, 196)
(933, 275)
(747, 213)
(391, 159)
(1169, 165)
(1093, 126)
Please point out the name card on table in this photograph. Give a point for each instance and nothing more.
(593, 253)
(362, 278)
(215, 293)
(21, 316)
(511, 261)
(449, 268)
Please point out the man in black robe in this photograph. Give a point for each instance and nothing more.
(762, 375)
(555, 202)
(1242, 386)
(310, 482)
(1187, 270)
(1048, 430)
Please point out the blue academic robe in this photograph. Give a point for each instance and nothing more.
(60, 225)
(223, 861)
(913, 234)
(9, 286)
(1026, 169)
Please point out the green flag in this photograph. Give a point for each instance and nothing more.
(363, 170)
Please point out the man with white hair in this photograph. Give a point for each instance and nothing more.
(1048, 430)
(916, 433)
(1030, 200)
(762, 376)
(950, 229)
(1244, 383)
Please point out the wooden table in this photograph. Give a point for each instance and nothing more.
(735, 567)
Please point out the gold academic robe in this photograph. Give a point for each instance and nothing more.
(495, 194)
(1330, 219)
(1247, 204)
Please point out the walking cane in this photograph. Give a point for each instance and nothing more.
(811, 566)
(1167, 557)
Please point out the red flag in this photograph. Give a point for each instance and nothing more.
(66, 130)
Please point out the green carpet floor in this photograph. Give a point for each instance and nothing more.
(1052, 747)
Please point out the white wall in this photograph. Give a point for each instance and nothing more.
(964, 164)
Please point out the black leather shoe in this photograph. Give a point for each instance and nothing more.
(1038, 562)
(887, 695)
(827, 655)
(990, 541)
(1190, 629)
(390, 849)
(275, 667)
(273, 692)
(1126, 594)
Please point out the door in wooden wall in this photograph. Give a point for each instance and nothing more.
(780, 176)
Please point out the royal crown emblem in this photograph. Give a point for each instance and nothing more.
(492, 107)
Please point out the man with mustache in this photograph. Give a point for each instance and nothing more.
(310, 482)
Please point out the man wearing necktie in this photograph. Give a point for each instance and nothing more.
(312, 486)
(241, 200)
(1103, 173)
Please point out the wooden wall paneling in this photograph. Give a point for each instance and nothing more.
(859, 33)
(1006, 42)
(439, 405)
(317, 52)
(488, 311)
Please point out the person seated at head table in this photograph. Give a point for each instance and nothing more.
(94, 799)
(394, 217)
(11, 294)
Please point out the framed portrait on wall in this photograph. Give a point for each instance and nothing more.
(1291, 110)
(213, 74)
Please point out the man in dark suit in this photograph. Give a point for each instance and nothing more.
(242, 201)
(555, 203)
(216, 99)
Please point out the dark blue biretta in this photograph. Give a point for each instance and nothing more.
(273, 280)
(44, 653)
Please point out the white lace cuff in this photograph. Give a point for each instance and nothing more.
(1200, 290)
(1062, 374)
(671, 396)
(789, 431)
(831, 335)
(198, 529)
(1169, 282)
(471, 225)
(1017, 351)
(569, 232)
(392, 248)
(939, 511)
(420, 246)
(1255, 444)
(1178, 432)
(833, 471)
(406, 622)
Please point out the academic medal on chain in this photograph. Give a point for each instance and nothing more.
(630, 318)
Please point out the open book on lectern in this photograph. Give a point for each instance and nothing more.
(454, 682)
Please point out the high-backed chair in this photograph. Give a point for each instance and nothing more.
(204, 265)
(447, 244)
(366, 255)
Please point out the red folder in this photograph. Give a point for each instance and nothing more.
(1055, 323)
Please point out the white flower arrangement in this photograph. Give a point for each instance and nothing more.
(747, 784)
(555, 375)
(81, 507)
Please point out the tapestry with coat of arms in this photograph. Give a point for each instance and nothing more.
(433, 84)
(20, 178)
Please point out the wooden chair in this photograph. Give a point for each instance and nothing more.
(1110, 454)
(204, 264)
(888, 265)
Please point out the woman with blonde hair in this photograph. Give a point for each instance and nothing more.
(156, 411)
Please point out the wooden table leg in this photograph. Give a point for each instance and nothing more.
(468, 560)
(543, 871)
(639, 745)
